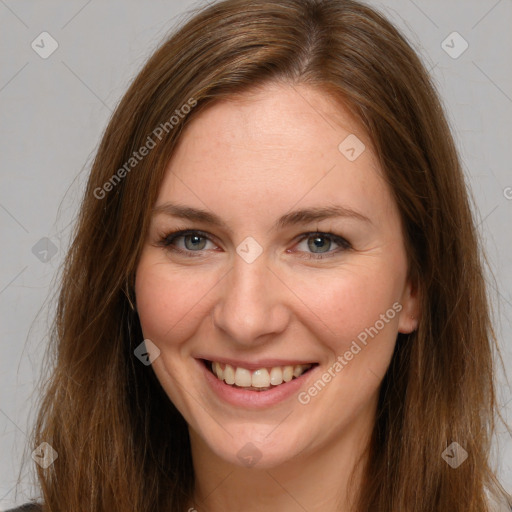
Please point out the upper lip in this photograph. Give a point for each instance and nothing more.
(256, 364)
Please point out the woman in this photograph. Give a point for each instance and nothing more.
(278, 210)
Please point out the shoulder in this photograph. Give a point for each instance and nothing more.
(28, 507)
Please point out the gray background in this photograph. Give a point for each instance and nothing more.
(54, 110)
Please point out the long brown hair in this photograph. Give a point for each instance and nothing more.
(122, 444)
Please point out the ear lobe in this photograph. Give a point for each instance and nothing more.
(409, 316)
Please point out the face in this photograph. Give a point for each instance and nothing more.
(274, 254)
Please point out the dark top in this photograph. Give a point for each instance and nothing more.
(28, 507)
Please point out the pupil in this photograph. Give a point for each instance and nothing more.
(318, 243)
(195, 241)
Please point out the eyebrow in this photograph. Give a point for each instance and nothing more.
(293, 218)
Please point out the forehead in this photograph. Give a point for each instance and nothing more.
(275, 146)
(278, 116)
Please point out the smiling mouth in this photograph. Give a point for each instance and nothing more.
(261, 379)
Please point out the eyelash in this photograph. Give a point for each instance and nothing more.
(166, 240)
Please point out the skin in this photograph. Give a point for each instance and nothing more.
(250, 160)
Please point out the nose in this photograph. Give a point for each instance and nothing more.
(252, 303)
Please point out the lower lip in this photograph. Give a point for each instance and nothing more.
(254, 399)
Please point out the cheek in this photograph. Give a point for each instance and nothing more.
(167, 302)
(361, 312)
(356, 318)
(351, 302)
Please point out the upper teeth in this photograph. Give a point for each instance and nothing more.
(261, 378)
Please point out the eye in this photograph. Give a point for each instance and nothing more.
(319, 244)
(316, 245)
(186, 241)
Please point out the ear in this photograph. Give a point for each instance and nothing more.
(409, 316)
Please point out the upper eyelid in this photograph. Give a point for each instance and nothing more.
(185, 232)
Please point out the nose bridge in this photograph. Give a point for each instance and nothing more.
(250, 303)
